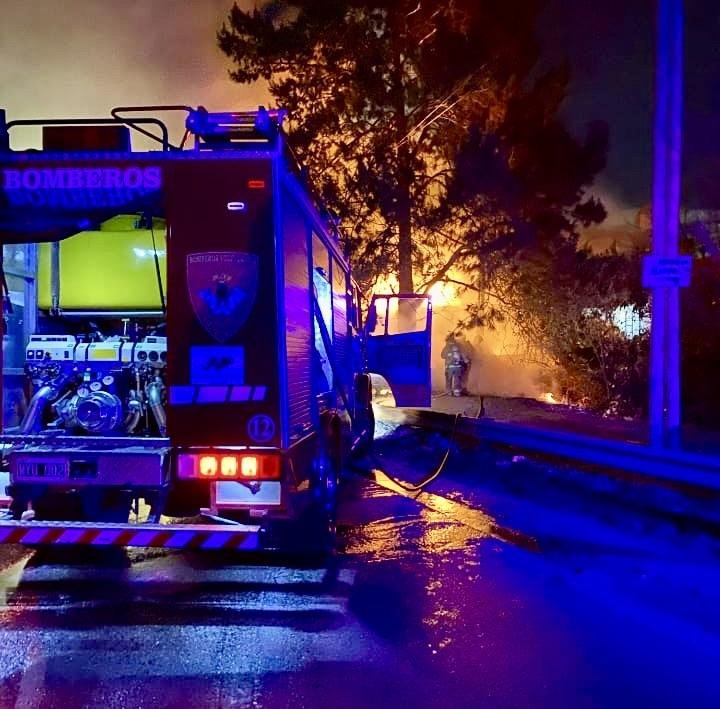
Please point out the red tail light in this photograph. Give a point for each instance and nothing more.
(235, 466)
(229, 466)
(249, 467)
(207, 466)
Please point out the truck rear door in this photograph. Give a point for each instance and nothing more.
(398, 332)
(222, 304)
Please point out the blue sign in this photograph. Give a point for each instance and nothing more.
(667, 271)
(217, 365)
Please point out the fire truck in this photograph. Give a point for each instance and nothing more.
(185, 362)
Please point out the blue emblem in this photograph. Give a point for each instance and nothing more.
(223, 298)
(222, 287)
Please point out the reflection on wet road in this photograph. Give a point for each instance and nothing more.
(430, 602)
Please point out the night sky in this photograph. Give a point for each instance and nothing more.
(84, 56)
(610, 45)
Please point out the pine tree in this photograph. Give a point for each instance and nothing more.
(426, 127)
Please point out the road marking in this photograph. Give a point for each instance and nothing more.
(33, 678)
(297, 615)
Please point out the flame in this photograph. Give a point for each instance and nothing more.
(548, 397)
(444, 294)
(440, 293)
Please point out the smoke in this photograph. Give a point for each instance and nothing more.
(82, 57)
(619, 213)
(498, 365)
(623, 227)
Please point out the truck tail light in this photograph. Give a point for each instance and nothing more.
(241, 466)
(249, 466)
(228, 466)
(207, 466)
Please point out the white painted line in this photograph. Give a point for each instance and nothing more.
(33, 679)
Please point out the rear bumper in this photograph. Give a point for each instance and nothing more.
(166, 536)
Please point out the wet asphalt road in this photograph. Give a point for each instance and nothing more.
(475, 594)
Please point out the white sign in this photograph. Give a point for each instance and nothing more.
(667, 271)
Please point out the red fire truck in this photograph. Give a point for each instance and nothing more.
(184, 362)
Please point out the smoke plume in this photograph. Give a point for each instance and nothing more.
(82, 57)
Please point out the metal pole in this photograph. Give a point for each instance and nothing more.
(674, 371)
(665, 326)
(657, 368)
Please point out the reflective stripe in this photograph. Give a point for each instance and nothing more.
(107, 537)
(214, 541)
(11, 536)
(143, 539)
(181, 395)
(180, 539)
(161, 539)
(100, 534)
(212, 395)
(71, 536)
(88, 536)
(52, 535)
(186, 395)
(240, 393)
(34, 536)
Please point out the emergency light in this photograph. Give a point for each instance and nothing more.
(261, 126)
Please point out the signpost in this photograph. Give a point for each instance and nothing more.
(665, 271)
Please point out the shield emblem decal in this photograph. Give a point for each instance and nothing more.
(222, 287)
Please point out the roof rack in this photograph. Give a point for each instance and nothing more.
(234, 130)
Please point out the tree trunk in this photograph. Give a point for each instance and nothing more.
(405, 269)
(404, 202)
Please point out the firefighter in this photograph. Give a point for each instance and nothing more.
(456, 366)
